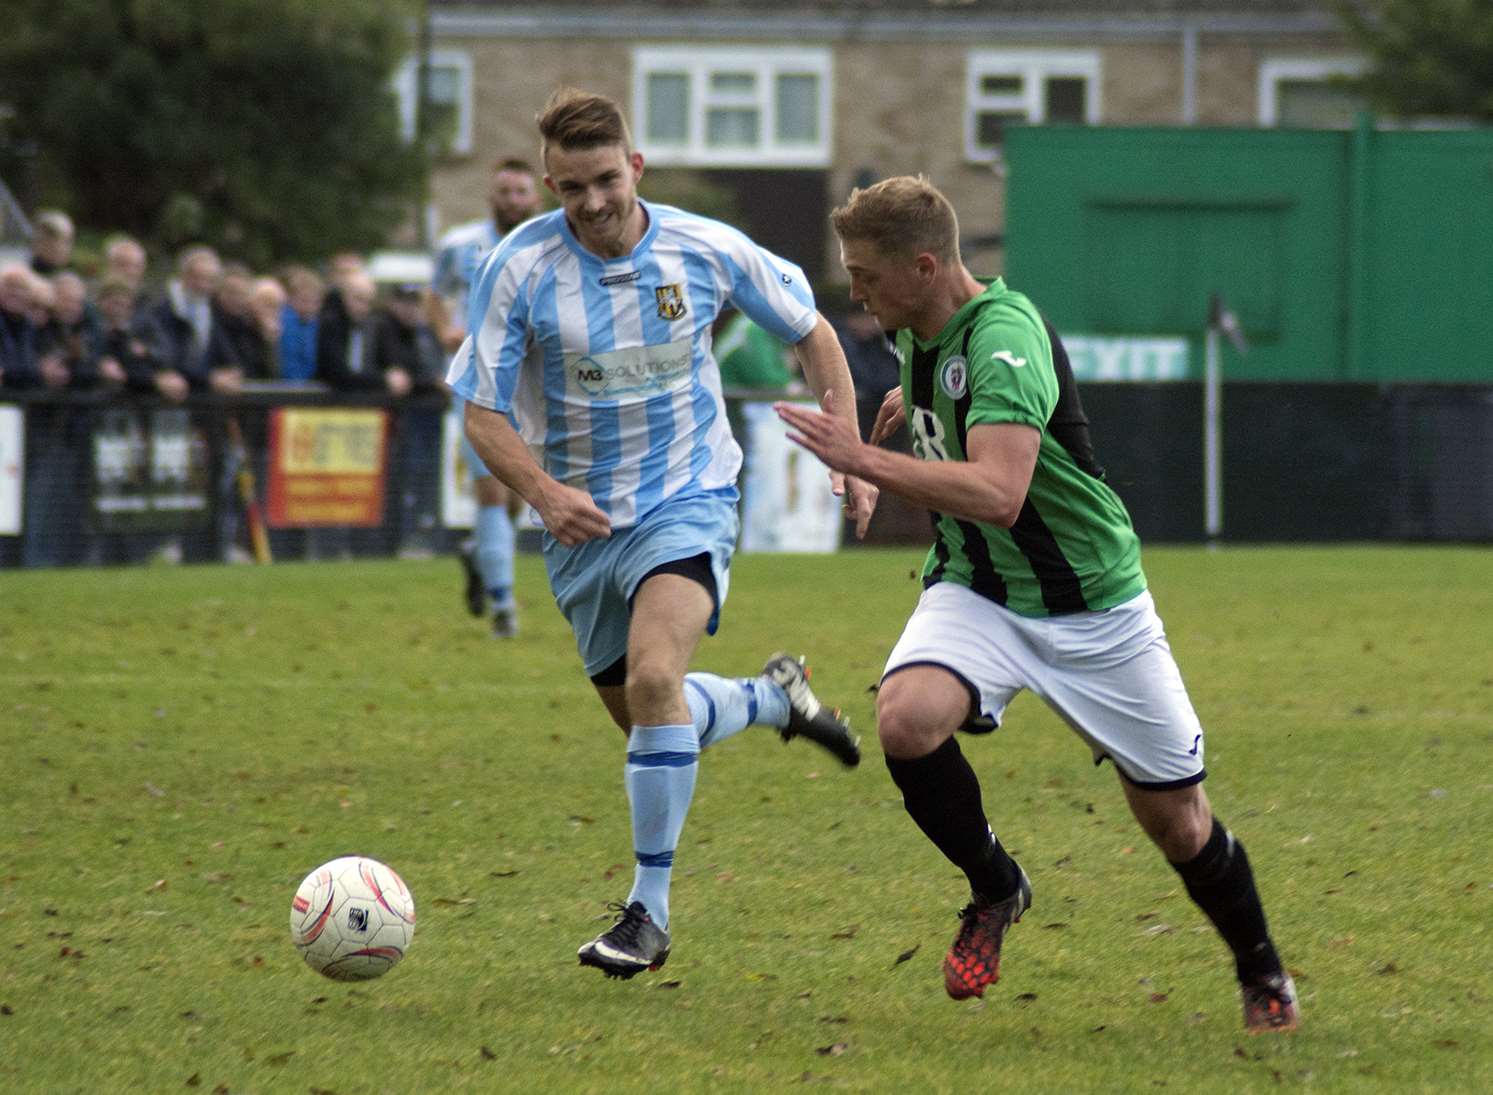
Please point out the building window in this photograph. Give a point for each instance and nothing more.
(448, 103)
(732, 107)
(1026, 87)
(1304, 92)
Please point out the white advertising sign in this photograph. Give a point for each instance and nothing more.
(12, 469)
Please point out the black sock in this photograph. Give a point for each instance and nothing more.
(1218, 878)
(942, 794)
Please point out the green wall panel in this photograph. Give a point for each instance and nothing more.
(1348, 256)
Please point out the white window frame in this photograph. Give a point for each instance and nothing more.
(404, 87)
(1275, 70)
(698, 65)
(1034, 66)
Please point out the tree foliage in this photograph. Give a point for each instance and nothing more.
(1430, 57)
(267, 127)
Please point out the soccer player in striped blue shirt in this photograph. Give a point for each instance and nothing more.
(615, 433)
(513, 195)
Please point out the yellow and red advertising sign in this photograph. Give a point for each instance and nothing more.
(327, 467)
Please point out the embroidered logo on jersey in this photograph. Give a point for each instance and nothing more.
(953, 377)
(670, 302)
(621, 279)
(1009, 358)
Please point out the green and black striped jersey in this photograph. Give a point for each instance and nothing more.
(1072, 548)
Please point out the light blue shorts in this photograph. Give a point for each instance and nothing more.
(593, 582)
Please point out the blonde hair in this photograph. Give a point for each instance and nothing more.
(902, 216)
(577, 120)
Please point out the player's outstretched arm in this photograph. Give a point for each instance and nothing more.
(990, 486)
(828, 374)
(570, 515)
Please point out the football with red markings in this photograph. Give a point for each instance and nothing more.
(352, 919)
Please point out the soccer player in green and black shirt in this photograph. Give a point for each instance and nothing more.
(1034, 581)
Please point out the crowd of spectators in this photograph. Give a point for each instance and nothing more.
(209, 326)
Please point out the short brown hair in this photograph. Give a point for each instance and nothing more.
(904, 215)
(575, 120)
(513, 163)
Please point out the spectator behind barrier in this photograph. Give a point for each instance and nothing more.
(300, 321)
(873, 368)
(18, 348)
(75, 328)
(125, 260)
(267, 306)
(347, 345)
(125, 353)
(233, 312)
(341, 267)
(406, 338)
(51, 364)
(52, 242)
(187, 339)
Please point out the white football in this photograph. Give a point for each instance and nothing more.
(352, 919)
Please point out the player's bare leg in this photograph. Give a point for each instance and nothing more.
(918, 709)
(1216, 872)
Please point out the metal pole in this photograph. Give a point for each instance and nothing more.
(422, 124)
(1212, 430)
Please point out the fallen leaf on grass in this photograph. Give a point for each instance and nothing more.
(1387, 968)
(846, 933)
(6, 1009)
(836, 1050)
(280, 1058)
(506, 874)
(669, 984)
(905, 955)
(194, 1079)
(487, 1054)
(1026, 998)
(1159, 997)
(157, 886)
(1446, 1043)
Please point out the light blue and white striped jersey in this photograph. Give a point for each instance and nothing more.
(623, 401)
(458, 257)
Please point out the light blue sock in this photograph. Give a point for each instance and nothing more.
(722, 706)
(661, 765)
(494, 554)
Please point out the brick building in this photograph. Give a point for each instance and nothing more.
(767, 112)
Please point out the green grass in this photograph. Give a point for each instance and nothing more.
(178, 747)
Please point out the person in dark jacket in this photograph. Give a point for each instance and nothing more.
(348, 355)
(187, 338)
(126, 355)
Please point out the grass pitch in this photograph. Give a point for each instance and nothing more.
(178, 747)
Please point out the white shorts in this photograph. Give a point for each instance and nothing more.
(1110, 675)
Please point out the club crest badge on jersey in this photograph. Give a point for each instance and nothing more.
(670, 302)
(953, 377)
